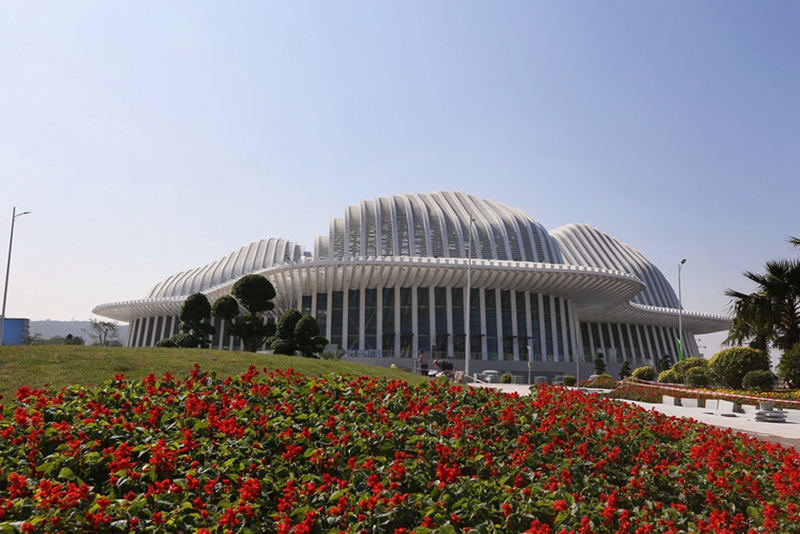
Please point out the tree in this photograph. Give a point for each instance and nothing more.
(669, 377)
(770, 316)
(103, 333)
(729, 366)
(682, 367)
(624, 370)
(73, 340)
(697, 377)
(644, 373)
(664, 363)
(789, 366)
(254, 293)
(599, 364)
(761, 380)
(195, 331)
(35, 339)
(296, 332)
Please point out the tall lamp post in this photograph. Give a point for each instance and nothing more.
(680, 310)
(14, 216)
(468, 351)
(291, 281)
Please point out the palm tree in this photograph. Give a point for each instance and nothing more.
(770, 316)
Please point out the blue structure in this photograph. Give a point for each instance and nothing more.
(16, 331)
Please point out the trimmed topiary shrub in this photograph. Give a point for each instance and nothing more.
(669, 377)
(697, 377)
(166, 343)
(644, 373)
(506, 378)
(683, 367)
(729, 366)
(569, 381)
(789, 366)
(624, 370)
(760, 380)
(599, 364)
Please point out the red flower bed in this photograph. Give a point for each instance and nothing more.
(653, 392)
(290, 454)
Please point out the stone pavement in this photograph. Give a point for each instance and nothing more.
(787, 434)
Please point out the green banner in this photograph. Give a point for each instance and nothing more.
(680, 349)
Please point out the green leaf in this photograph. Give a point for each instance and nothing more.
(66, 474)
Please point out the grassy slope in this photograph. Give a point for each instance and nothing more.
(64, 365)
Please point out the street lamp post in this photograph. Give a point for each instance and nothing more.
(468, 348)
(14, 216)
(291, 281)
(680, 310)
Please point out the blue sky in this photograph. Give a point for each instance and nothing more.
(149, 138)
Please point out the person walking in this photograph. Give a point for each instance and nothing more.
(424, 360)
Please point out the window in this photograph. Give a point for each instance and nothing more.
(491, 323)
(353, 309)
(536, 334)
(423, 319)
(322, 313)
(337, 314)
(370, 319)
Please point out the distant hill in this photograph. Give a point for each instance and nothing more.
(50, 329)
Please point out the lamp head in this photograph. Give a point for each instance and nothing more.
(683, 261)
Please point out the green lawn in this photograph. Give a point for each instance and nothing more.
(65, 365)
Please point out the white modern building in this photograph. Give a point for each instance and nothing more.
(392, 275)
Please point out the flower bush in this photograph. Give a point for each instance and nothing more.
(285, 453)
(600, 382)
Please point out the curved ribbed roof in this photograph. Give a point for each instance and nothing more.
(422, 239)
(254, 257)
(582, 244)
(437, 225)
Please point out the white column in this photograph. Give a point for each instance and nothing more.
(542, 333)
(484, 350)
(498, 312)
(397, 320)
(562, 303)
(362, 317)
(514, 328)
(379, 311)
(414, 319)
(448, 295)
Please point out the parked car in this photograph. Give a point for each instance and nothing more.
(491, 376)
(540, 380)
(558, 380)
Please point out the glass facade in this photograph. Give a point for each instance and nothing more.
(387, 320)
(536, 335)
(337, 316)
(322, 312)
(353, 309)
(507, 325)
(423, 319)
(491, 324)
(387, 309)
(548, 330)
(475, 336)
(522, 328)
(370, 319)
